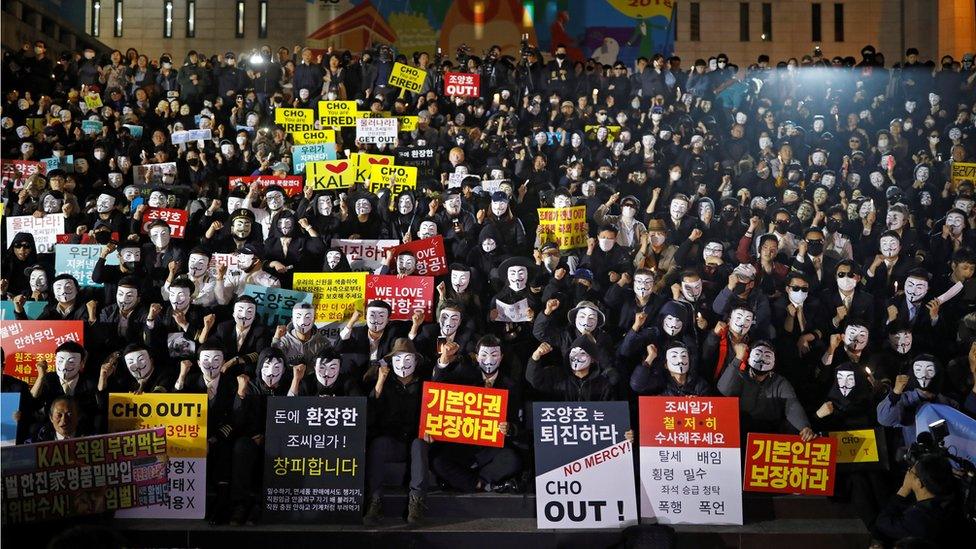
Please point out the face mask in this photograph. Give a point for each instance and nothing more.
(460, 280)
(579, 360)
(551, 261)
(677, 360)
(915, 289)
(846, 283)
(210, 362)
(889, 246)
(740, 321)
(762, 359)
(65, 291)
(691, 291)
(488, 245)
(377, 318)
(159, 236)
(895, 220)
(675, 175)
(489, 359)
(272, 371)
(404, 364)
(517, 278)
(67, 365)
(606, 244)
(139, 364)
(197, 265)
(126, 297)
(934, 99)
(240, 228)
(587, 320)
(405, 205)
(244, 314)
(499, 208)
(657, 239)
(856, 337)
(643, 285)
(51, 205)
(628, 212)
(303, 319)
(327, 371)
(955, 222)
(406, 264)
(562, 201)
(678, 209)
(845, 381)
(589, 189)
(104, 203)
(672, 325)
(286, 225)
(901, 342)
(924, 371)
(38, 281)
(275, 200)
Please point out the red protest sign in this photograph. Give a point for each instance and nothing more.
(689, 422)
(785, 464)
(26, 341)
(429, 252)
(291, 184)
(462, 84)
(463, 414)
(405, 295)
(176, 219)
(19, 171)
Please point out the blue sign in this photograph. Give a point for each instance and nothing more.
(303, 154)
(9, 405)
(275, 304)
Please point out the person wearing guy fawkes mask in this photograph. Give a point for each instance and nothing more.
(767, 401)
(371, 341)
(897, 353)
(668, 373)
(402, 223)
(178, 325)
(632, 296)
(294, 245)
(160, 252)
(132, 370)
(130, 263)
(232, 238)
(585, 319)
(107, 212)
(242, 337)
(889, 267)
(359, 216)
(198, 272)
(453, 326)
(896, 220)
(955, 235)
(320, 212)
(910, 306)
(472, 468)
(300, 336)
(38, 284)
(69, 301)
(66, 378)
(460, 287)
(512, 281)
(576, 377)
(455, 223)
(326, 378)
(673, 324)
(125, 319)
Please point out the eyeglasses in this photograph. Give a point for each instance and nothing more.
(803, 289)
(848, 274)
(21, 245)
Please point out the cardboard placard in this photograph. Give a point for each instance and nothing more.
(463, 414)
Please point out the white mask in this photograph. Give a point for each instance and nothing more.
(404, 364)
(126, 297)
(517, 278)
(38, 281)
(363, 207)
(691, 291)
(197, 265)
(889, 246)
(333, 258)
(895, 220)
(762, 358)
(856, 337)
(876, 179)
(450, 321)
(606, 244)
(327, 371)
(797, 298)
(955, 222)
(846, 284)
(488, 245)
(915, 289)
(499, 207)
(924, 371)
(406, 264)
(275, 200)
(244, 314)
(377, 318)
(405, 205)
(672, 325)
(105, 203)
(323, 205)
(656, 238)
(677, 360)
(303, 319)
(712, 250)
(901, 342)
(67, 365)
(460, 280)
(427, 229)
(489, 359)
(562, 201)
(65, 291)
(765, 142)
(678, 209)
(579, 359)
(587, 320)
(272, 370)
(139, 364)
(845, 381)
(210, 362)
(643, 285)
(740, 321)
(179, 298)
(159, 236)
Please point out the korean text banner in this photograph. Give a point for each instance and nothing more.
(275, 304)
(429, 252)
(79, 261)
(462, 84)
(785, 464)
(405, 295)
(27, 341)
(963, 171)
(689, 460)
(184, 416)
(564, 226)
(44, 229)
(19, 171)
(314, 465)
(364, 255)
(83, 476)
(584, 465)
(461, 413)
(175, 218)
(292, 184)
(303, 154)
(422, 158)
(336, 295)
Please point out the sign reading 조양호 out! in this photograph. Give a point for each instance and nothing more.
(462, 84)
(785, 464)
(584, 465)
(336, 295)
(564, 226)
(689, 460)
(463, 414)
(184, 416)
(83, 476)
(314, 464)
(407, 77)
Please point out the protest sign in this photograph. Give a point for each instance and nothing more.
(79, 260)
(962, 428)
(455, 178)
(93, 100)
(463, 414)
(295, 120)
(155, 174)
(314, 460)
(785, 464)
(27, 341)
(303, 154)
(19, 171)
(44, 229)
(489, 186)
(462, 84)
(92, 127)
(336, 295)
(227, 260)
(564, 226)
(376, 130)
(421, 158)
(405, 295)
(134, 131)
(513, 312)
(313, 137)
(176, 219)
(689, 460)
(32, 309)
(407, 123)
(274, 305)
(338, 113)
(429, 252)
(963, 171)
(291, 184)
(66, 163)
(409, 78)
(861, 449)
(364, 255)
(396, 178)
(584, 465)
(330, 175)
(184, 417)
(9, 406)
(186, 136)
(83, 476)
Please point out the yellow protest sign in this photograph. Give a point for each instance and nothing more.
(564, 226)
(963, 171)
(364, 165)
(330, 175)
(184, 415)
(314, 137)
(860, 446)
(338, 113)
(407, 77)
(407, 123)
(591, 130)
(336, 295)
(396, 178)
(93, 100)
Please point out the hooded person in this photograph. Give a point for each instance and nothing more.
(673, 324)
(299, 335)
(360, 216)
(239, 231)
(921, 383)
(577, 377)
(405, 218)
(335, 261)
(327, 378)
(294, 245)
(489, 253)
(321, 212)
(130, 263)
(585, 319)
(452, 325)
(673, 373)
(850, 401)
(66, 379)
(243, 337)
(513, 278)
(21, 254)
(511, 231)
(633, 295)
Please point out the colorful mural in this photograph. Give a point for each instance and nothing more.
(606, 30)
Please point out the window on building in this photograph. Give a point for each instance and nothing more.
(263, 19)
(694, 23)
(96, 14)
(118, 18)
(168, 19)
(239, 27)
(767, 21)
(191, 18)
(838, 22)
(743, 21)
(816, 32)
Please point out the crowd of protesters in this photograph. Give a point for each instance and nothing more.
(790, 234)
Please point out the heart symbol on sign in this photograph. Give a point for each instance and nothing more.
(337, 168)
(379, 160)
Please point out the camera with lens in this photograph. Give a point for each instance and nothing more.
(930, 442)
(463, 54)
